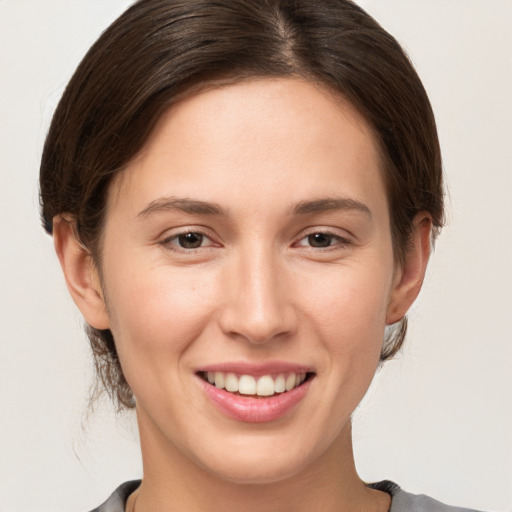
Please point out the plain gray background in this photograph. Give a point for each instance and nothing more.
(438, 420)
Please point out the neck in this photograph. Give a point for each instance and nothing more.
(173, 482)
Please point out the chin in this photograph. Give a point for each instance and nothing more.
(260, 460)
(258, 471)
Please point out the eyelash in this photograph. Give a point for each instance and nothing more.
(339, 241)
(172, 242)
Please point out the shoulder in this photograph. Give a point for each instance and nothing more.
(117, 499)
(403, 501)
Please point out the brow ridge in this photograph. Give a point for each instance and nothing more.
(192, 206)
(330, 203)
(198, 207)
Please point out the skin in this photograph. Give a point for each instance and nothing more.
(255, 290)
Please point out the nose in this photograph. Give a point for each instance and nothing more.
(256, 305)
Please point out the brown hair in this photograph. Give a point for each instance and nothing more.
(159, 48)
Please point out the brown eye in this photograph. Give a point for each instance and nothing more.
(320, 239)
(190, 240)
(187, 242)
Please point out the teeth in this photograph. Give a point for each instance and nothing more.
(265, 386)
(290, 382)
(280, 384)
(249, 385)
(219, 380)
(231, 383)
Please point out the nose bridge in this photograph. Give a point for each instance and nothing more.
(257, 306)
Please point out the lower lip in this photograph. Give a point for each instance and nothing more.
(255, 410)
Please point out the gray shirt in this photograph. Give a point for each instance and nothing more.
(401, 501)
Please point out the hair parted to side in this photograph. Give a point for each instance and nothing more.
(159, 49)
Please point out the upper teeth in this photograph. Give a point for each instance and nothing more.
(265, 385)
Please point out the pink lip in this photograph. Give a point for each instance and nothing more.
(255, 410)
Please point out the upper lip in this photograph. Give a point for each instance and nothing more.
(256, 369)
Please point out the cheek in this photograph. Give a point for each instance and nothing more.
(157, 312)
(347, 315)
(349, 302)
(344, 312)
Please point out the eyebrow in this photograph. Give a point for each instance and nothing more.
(186, 205)
(194, 206)
(327, 204)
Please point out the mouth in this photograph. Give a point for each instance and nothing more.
(256, 393)
(262, 386)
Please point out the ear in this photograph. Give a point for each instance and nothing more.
(80, 272)
(409, 276)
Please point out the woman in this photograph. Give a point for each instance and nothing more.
(243, 196)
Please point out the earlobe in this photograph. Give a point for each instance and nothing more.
(410, 275)
(81, 275)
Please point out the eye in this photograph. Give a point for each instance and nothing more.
(190, 240)
(322, 240)
(187, 240)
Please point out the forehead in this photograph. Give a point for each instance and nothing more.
(266, 134)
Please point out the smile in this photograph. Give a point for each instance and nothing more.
(255, 393)
(263, 386)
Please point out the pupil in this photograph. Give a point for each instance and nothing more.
(190, 240)
(319, 240)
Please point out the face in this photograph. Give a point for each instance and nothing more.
(248, 247)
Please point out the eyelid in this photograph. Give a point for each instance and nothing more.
(343, 239)
(173, 234)
(169, 236)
